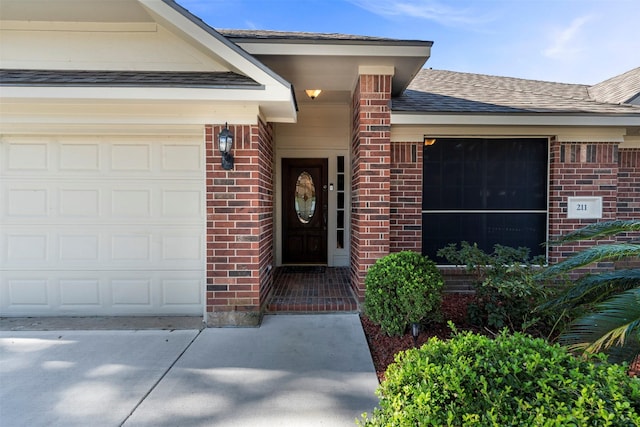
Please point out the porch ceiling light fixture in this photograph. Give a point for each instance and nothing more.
(313, 93)
(429, 141)
(225, 141)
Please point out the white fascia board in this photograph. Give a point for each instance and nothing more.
(128, 113)
(381, 70)
(631, 141)
(103, 27)
(368, 49)
(399, 118)
(8, 93)
(101, 129)
(272, 107)
(416, 133)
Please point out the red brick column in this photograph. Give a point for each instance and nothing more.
(371, 161)
(406, 197)
(239, 226)
(629, 184)
(629, 197)
(580, 169)
(266, 162)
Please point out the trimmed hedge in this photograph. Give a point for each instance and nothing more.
(402, 288)
(512, 380)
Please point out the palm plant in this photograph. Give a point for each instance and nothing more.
(611, 323)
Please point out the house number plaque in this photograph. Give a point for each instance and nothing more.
(584, 207)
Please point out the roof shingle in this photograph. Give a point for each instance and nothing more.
(182, 79)
(454, 92)
(619, 89)
(239, 35)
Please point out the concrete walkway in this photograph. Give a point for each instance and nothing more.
(295, 370)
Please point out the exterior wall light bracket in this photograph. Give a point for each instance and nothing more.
(225, 142)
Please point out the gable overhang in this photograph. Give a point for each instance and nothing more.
(272, 95)
(334, 64)
(276, 94)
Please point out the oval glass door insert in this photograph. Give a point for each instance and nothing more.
(305, 197)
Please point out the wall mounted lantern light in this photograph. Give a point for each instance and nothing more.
(225, 141)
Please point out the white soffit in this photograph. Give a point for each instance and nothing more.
(631, 141)
(22, 116)
(416, 118)
(416, 133)
(333, 64)
(325, 48)
(94, 11)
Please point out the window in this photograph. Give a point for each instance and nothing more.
(340, 204)
(484, 191)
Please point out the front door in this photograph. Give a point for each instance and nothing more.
(304, 207)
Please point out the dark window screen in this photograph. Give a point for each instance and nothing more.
(484, 191)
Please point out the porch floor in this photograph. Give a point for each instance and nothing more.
(311, 289)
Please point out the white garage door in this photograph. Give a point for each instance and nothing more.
(101, 226)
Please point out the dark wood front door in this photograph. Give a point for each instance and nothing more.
(304, 207)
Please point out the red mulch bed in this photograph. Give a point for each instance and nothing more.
(454, 307)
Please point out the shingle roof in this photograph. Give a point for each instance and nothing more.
(237, 35)
(619, 89)
(76, 78)
(453, 92)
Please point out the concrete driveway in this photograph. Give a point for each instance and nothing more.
(295, 370)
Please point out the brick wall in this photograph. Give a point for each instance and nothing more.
(629, 197)
(629, 184)
(576, 169)
(580, 169)
(370, 192)
(266, 214)
(406, 197)
(239, 212)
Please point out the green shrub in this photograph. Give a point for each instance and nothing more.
(472, 380)
(402, 288)
(506, 288)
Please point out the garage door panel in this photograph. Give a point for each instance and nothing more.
(131, 291)
(79, 292)
(74, 202)
(88, 156)
(182, 158)
(131, 203)
(178, 292)
(88, 293)
(116, 247)
(131, 157)
(26, 248)
(135, 247)
(83, 157)
(79, 248)
(62, 203)
(27, 292)
(182, 247)
(27, 156)
(27, 201)
(101, 225)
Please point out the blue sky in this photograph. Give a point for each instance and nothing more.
(570, 41)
